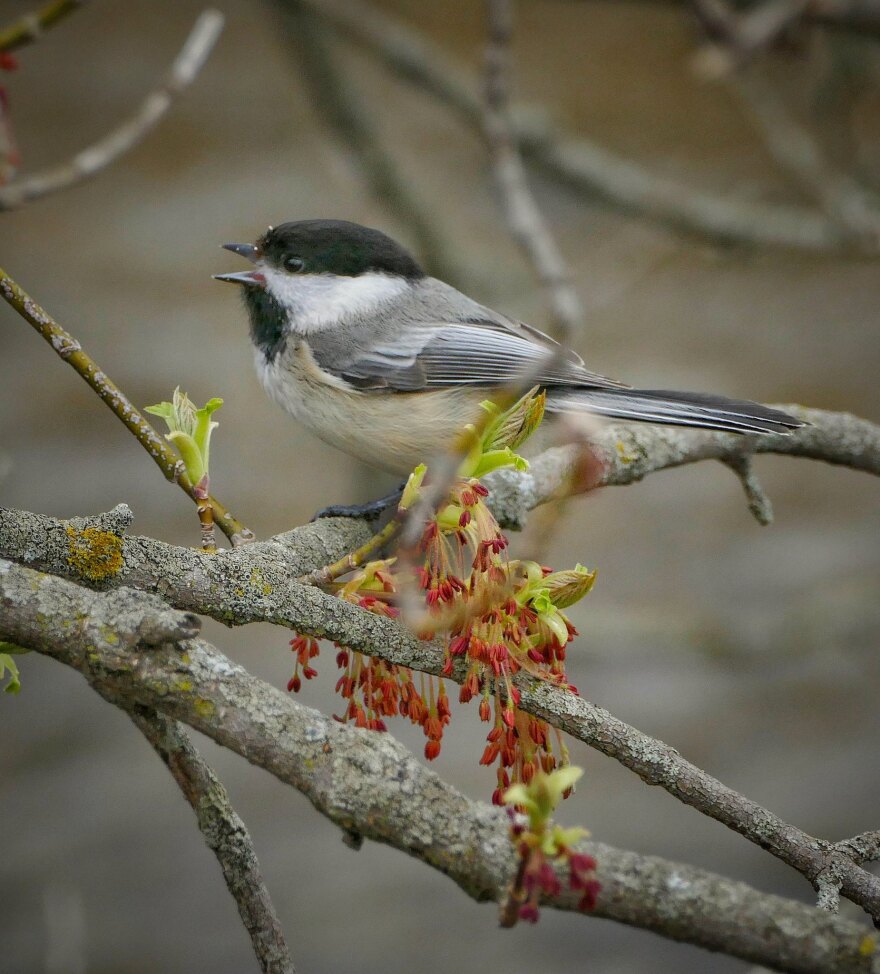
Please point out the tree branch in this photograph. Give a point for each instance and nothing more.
(70, 351)
(32, 26)
(797, 152)
(857, 16)
(107, 150)
(340, 108)
(521, 212)
(579, 162)
(255, 584)
(224, 832)
(629, 453)
(369, 783)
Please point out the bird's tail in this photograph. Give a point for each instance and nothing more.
(675, 409)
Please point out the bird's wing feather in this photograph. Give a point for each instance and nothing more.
(445, 354)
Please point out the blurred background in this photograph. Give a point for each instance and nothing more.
(752, 650)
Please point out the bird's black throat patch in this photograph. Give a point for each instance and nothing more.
(267, 321)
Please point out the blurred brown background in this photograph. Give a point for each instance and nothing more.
(752, 650)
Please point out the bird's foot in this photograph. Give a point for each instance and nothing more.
(370, 511)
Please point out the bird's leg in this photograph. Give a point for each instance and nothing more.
(369, 511)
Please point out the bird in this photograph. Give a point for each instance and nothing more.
(381, 360)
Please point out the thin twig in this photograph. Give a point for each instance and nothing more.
(225, 834)
(70, 350)
(523, 216)
(107, 150)
(32, 26)
(354, 559)
(532, 234)
(758, 501)
(855, 16)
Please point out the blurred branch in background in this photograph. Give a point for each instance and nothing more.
(341, 108)
(369, 783)
(578, 162)
(523, 218)
(107, 150)
(797, 151)
(32, 26)
(857, 16)
(736, 36)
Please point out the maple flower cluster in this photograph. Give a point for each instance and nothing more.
(540, 843)
(496, 615)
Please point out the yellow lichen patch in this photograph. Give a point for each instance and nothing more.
(93, 554)
(868, 945)
(257, 581)
(621, 452)
(184, 685)
(204, 708)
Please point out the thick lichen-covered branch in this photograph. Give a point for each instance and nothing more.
(255, 584)
(370, 784)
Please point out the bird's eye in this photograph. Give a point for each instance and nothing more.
(294, 264)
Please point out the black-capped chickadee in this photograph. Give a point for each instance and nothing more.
(355, 341)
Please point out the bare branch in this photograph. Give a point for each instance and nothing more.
(32, 26)
(858, 16)
(797, 152)
(862, 848)
(759, 502)
(224, 832)
(90, 161)
(70, 351)
(628, 453)
(524, 219)
(740, 36)
(341, 109)
(368, 783)
(578, 162)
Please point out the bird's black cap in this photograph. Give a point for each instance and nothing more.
(337, 247)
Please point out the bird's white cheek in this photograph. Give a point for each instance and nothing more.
(317, 301)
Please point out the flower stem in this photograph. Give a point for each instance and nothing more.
(354, 559)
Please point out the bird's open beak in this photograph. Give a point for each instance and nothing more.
(248, 278)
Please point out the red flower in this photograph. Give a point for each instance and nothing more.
(529, 913)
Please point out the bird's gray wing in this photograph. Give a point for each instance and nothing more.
(446, 354)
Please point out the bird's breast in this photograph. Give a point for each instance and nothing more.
(390, 430)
